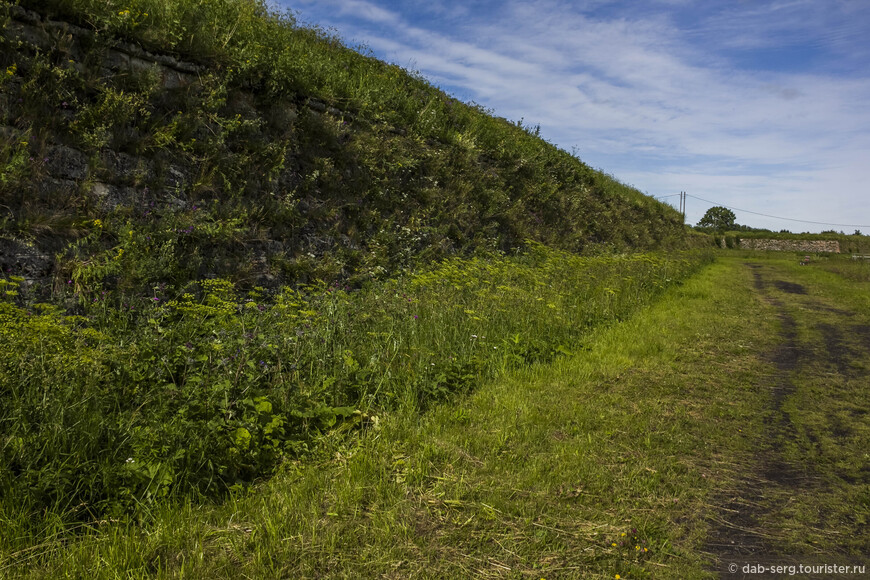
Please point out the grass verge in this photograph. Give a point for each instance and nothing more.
(610, 463)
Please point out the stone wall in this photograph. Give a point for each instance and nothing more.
(110, 179)
(808, 246)
(121, 58)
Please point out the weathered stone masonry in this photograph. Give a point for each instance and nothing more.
(809, 246)
(111, 178)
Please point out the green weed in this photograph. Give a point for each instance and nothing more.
(151, 396)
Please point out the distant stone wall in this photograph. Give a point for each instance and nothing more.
(809, 246)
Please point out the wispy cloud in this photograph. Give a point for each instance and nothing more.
(659, 97)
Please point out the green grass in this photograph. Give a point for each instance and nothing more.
(412, 384)
(645, 431)
(166, 397)
(399, 173)
(538, 472)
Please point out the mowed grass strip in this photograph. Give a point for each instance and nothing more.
(603, 463)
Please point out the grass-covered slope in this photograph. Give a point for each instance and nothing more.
(280, 155)
(223, 235)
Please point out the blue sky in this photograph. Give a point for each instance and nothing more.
(758, 105)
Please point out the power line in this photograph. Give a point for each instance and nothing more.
(774, 216)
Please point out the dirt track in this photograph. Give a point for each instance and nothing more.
(749, 522)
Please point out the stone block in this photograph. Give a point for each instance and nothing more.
(20, 259)
(66, 163)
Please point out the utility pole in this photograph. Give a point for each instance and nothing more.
(683, 205)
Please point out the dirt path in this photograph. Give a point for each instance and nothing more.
(751, 524)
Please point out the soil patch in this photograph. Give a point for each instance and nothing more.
(789, 287)
(838, 352)
(740, 530)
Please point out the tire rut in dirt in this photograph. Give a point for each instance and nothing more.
(740, 526)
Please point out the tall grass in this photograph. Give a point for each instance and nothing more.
(201, 393)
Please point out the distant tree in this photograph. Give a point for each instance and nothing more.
(857, 233)
(718, 218)
(784, 232)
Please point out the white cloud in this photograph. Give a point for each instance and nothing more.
(660, 107)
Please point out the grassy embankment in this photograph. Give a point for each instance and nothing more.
(610, 461)
(149, 368)
(236, 175)
(178, 376)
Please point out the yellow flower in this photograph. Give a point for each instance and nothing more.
(613, 544)
(618, 577)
